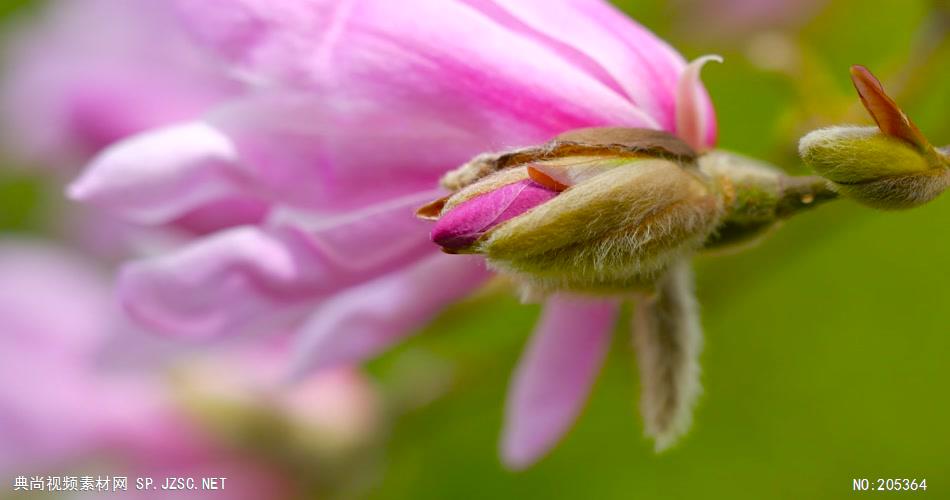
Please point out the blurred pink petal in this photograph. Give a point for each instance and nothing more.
(328, 155)
(248, 277)
(33, 273)
(63, 408)
(94, 71)
(175, 170)
(335, 411)
(365, 320)
(555, 376)
(341, 404)
(223, 213)
(341, 153)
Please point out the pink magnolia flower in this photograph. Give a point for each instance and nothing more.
(62, 409)
(359, 107)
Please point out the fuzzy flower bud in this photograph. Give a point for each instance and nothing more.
(593, 210)
(463, 225)
(892, 166)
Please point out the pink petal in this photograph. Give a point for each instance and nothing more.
(695, 118)
(91, 72)
(397, 55)
(465, 223)
(54, 404)
(327, 153)
(304, 151)
(604, 42)
(363, 321)
(555, 375)
(38, 278)
(161, 175)
(222, 214)
(391, 101)
(248, 278)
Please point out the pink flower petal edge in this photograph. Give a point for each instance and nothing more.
(363, 321)
(163, 174)
(249, 278)
(555, 375)
(695, 118)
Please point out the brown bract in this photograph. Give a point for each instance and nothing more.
(596, 141)
(890, 118)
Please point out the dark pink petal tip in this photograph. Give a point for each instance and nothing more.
(467, 222)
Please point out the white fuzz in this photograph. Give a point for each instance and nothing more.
(614, 232)
(668, 339)
(828, 138)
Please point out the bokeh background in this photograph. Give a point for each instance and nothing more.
(827, 344)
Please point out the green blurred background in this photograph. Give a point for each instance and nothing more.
(827, 344)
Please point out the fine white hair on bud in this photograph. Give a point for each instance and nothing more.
(594, 210)
(481, 166)
(874, 168)
(891, 166)
(757, 197)
(668, 340)
(613, 232)
(853, 155)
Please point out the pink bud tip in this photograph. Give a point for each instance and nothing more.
(467, 222)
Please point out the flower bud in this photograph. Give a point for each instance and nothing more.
(463, 225)
(892, 166)
(594, 210)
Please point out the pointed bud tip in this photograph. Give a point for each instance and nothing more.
(432, 210)
(890, 118)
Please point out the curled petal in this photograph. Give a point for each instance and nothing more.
(695, 119)
(246, 278)
(555, 376)
(158, 176)
(361, 322)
